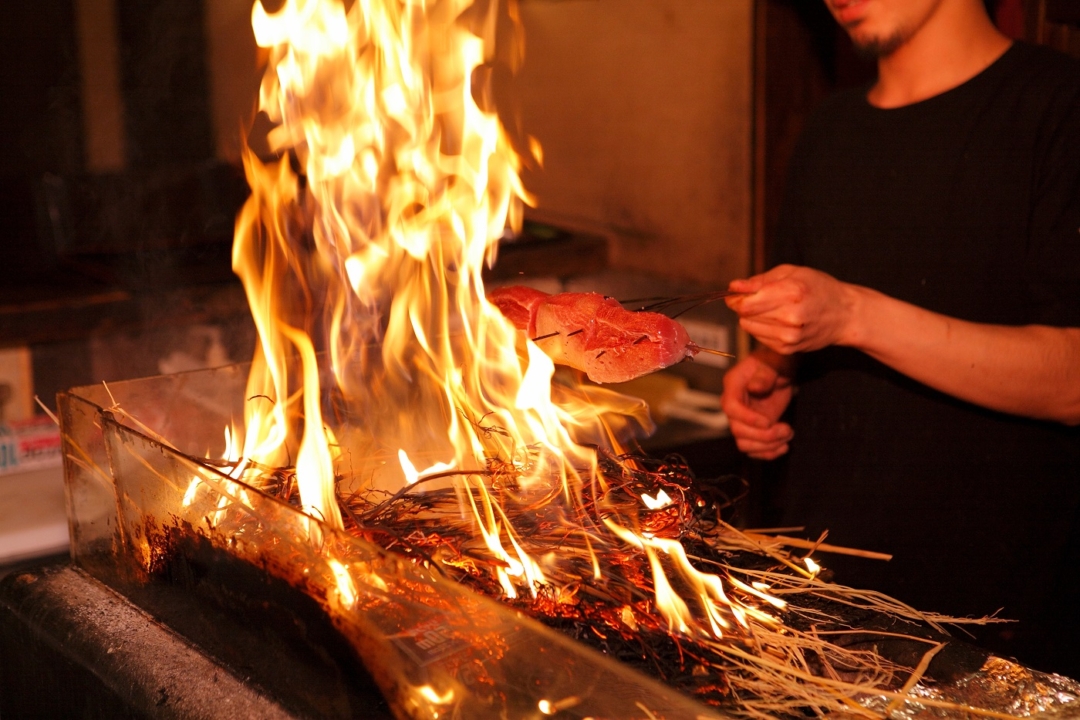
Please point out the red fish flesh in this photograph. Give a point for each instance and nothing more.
(595, 334)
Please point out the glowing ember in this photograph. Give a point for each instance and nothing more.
(548, 707)
(655, 503)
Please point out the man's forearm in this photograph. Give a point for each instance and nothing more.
(1032, 370)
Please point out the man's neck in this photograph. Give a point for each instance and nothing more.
(952, 47)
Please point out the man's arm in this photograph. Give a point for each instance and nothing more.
(1032, 371)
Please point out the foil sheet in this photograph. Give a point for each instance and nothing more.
(1000, 688)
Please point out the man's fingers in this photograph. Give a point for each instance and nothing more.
(778, 302)
(756, 282)
(740, 414)
(780, 272)
(784, 339)
(771, 454)
(774, 434)
(747, 285)
(751, 384)
(760, 450)
(750, 378)
(737, 387)
(762, 382)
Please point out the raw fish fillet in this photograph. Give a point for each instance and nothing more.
(595, 334)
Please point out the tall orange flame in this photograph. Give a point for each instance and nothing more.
(365, 239)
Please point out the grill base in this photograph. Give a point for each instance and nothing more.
(71, 647)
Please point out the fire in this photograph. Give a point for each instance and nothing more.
(376, 245)
(367, 237)
(662, 499)
(547, 707)
(361, 250)
(345, 587)
(413, 475)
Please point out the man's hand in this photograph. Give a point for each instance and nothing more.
(794, 309)
(756, 393)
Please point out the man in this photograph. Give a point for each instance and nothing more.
(928, 315)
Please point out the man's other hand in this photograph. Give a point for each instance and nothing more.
(756, 393)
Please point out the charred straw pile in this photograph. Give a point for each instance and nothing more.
(792, 644)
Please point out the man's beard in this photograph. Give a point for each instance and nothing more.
(880, 47)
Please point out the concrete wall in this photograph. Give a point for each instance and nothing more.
(234, 73)
(643, 108)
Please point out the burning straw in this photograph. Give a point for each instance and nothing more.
(786, 642)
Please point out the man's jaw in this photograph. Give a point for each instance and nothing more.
(852, 16)
(875, 48)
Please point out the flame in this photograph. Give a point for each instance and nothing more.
(232, 456)
(549, 707)
(661, 500)
(366, 238)
(430, 695)
(714, 602)
(412, 475)
(361, 250)
(346, 590)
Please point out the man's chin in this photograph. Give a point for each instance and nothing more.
(875, 48)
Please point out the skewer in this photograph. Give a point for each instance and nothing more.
(697, 348)
(693, 346)
(814, 545)
(553, 334)
(659, 304)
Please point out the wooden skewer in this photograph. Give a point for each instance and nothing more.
(775, 530)
(814, 545)
(698, 348)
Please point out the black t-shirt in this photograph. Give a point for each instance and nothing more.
(966, 204)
